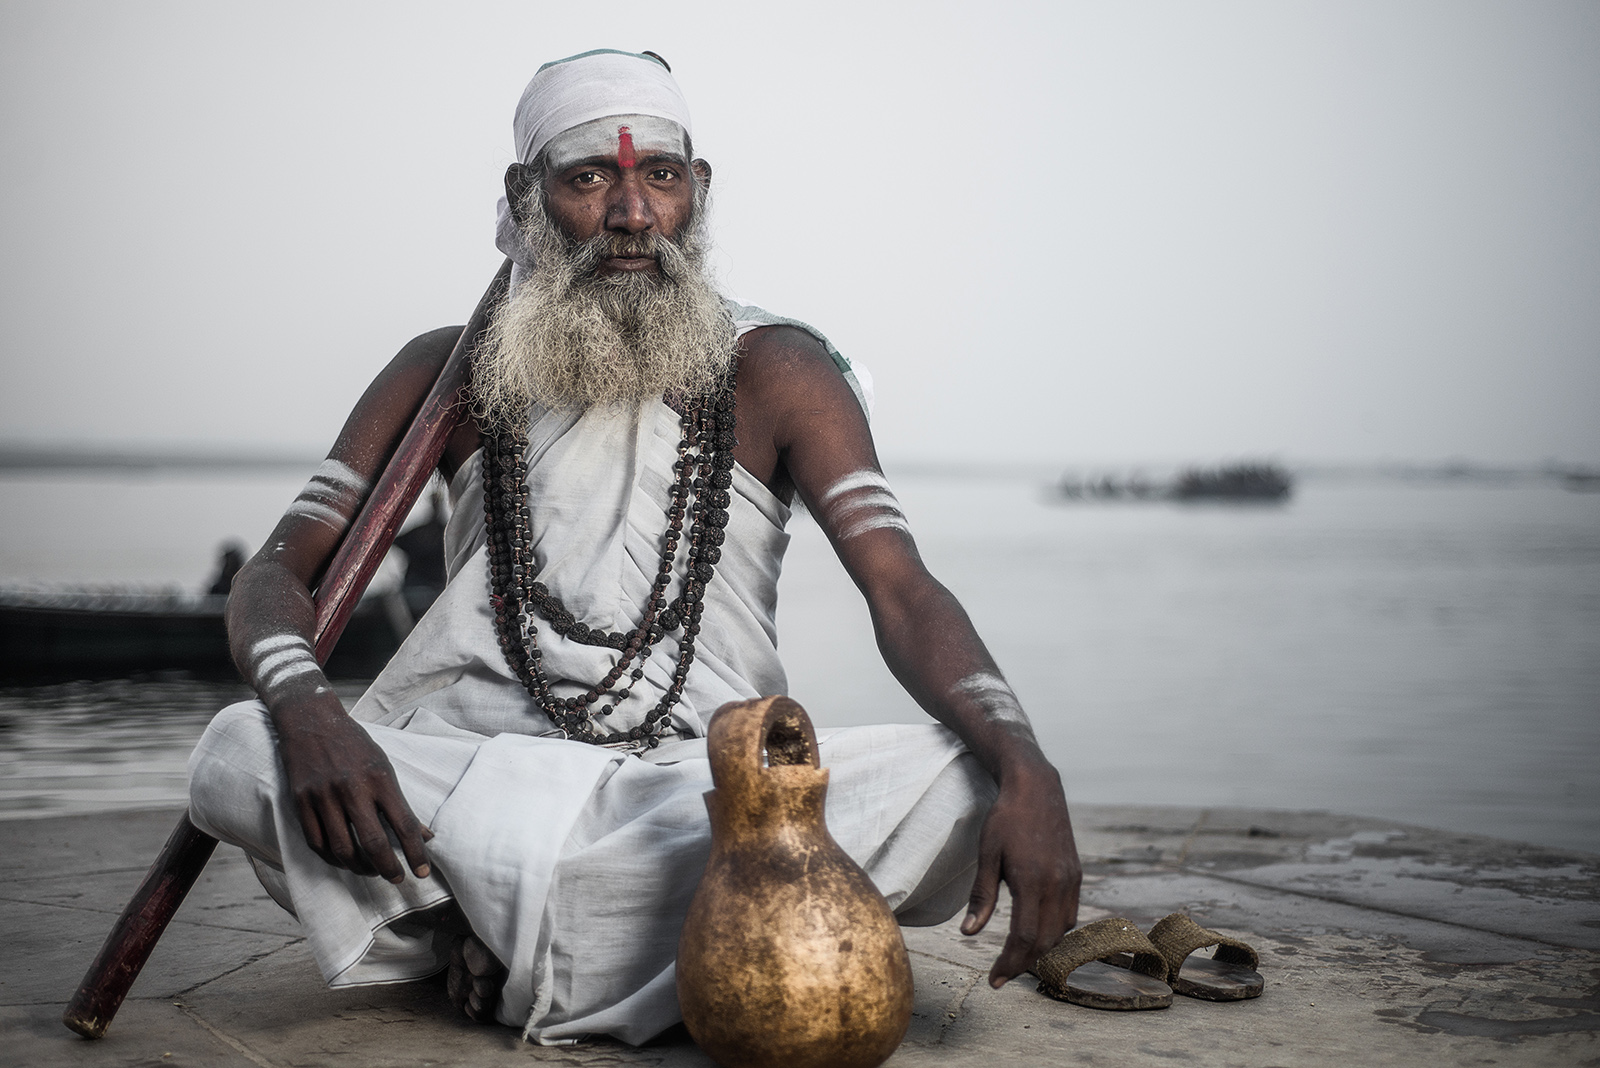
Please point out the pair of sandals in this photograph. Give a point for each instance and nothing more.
(1110, 964)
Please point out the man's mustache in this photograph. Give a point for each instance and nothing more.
(588, 256)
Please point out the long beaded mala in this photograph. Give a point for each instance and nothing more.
(704, 470)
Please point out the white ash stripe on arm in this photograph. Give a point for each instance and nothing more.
(320, 512)
(866, 478)
(267, 665)
(862, 501)
(994, 694)
(272, 644)
(873, 498)
(880, 521)
(340, 478)
(291, 671)
(279, 658)
(333, 496)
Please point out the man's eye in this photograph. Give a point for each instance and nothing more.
(589, 178)
(663, 174)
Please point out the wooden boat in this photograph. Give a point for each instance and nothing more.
(88, 633)
(1250, 482)
(1237, 482)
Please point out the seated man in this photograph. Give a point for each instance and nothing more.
(535, 751)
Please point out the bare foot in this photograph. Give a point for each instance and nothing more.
(474, 979)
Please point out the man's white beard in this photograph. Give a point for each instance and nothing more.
(572, 338)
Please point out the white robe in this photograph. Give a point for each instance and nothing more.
(575, 864)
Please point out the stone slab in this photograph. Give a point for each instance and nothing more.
(1365, 959)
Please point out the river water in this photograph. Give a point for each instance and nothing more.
(1426, 651)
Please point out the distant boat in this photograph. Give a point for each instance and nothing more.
(83, 632)
(87, 633)
(1582, 481)
(1237, 482)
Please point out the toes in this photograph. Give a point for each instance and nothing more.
(458, 984)
(474, 979)
(481, 1009)
(478, 958)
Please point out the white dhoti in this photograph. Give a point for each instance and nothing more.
(576, 864)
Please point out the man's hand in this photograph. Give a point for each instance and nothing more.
(1027, 841)
(345, 791)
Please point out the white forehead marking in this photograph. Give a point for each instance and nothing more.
(598, 137)
(1000, 704)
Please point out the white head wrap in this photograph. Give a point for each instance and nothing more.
(570, 92)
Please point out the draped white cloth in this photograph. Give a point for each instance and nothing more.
(576, 864)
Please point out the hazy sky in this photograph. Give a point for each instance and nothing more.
(1071, 232)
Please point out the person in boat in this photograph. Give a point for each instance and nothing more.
(518, 796)
(229, 560)
(423, 545)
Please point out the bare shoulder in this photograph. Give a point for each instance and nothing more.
(783, 361)
(788, 370)
(387, 406)
(788, 386)
(425, 354)
(418, 364)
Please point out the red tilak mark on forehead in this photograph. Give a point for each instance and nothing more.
(624, 147)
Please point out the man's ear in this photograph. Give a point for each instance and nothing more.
(702, 173)
(519, 182)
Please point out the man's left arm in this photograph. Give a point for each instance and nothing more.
(821, 439)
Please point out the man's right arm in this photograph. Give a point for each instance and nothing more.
(339, 778)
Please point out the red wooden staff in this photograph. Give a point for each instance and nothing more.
(184, 856)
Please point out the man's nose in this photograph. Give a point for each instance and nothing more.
(629, 209)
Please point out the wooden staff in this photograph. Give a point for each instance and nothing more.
(139, 927)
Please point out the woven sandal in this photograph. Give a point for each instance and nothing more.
(1229, 974)
(1073, 970)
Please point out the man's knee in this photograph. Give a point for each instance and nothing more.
(235, 777)
(963, 793)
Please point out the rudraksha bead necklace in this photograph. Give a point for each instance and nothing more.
(704, 470)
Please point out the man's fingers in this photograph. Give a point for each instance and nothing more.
(1058, 908)
(1070, 918)
(311, 824)
(336, 836)
(1022, 944)
(408, 829)
(375, 845)
(1055, 921)
(985, 891)
(1013, 960)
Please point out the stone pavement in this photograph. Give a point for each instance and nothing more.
(1380, 944)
